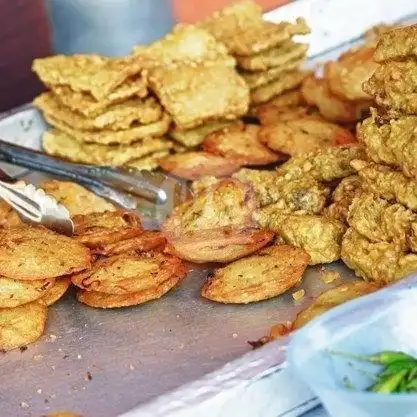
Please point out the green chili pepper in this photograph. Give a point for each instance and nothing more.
(402, 388)
(384, 358)
(412, 374)
(395, 367)
(389, 384)
(412, 385)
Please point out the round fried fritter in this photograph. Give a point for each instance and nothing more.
(58, 289)
(33, 253)
(266, 274)
(14, 293)
(193, 165)
(22, 325)
(102, 300)
(8, 216)
(130, 272)
(269, 113)
(97, 229)
(332, 298)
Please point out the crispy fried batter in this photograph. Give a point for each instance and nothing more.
(109, 137)
(269, 114)
(8, 216)
(239, 144)
(381, 262)
(304, 135)
(14, 293)
(130, 273)
(266, 274)
(195, 94)
(287, 81)
(75, 198)
(332, 298)
(64, 146)
(323, 165)
(149, 162)
(96, 229)
(22, 325)
(33, 253)
(57, 291)
(319, 236)
(304, 193)
(203, 183)
(291, 98)
(94, 74)
(193, 165)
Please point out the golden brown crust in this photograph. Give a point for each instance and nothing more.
(8, 216)
(57, 291)
(269, 113)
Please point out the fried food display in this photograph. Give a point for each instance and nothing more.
(56, 291)
(266, 274)
(35, 253)
(240, 144)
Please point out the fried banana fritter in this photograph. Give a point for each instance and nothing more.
(266, 274)
(22, 325)
(195, 94)
(240, 144)
(75, 198)
(319, 236)
(57, 291)
(381, 262)
(33, 253)
(303, 193)
(324, 165)
(8, 216)
(380, 221)
(304, 135)
(332, 298)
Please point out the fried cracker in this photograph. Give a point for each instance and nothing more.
(22, 325)
(287, 81)
(149, 162)
(96, 229)
(195, 94)
(8, 216)
(58, 289)
(240, 144)
(75, 198)
(266, 274)
(193, 165)
(108, 137)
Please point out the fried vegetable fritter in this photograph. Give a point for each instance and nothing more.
(266, 274)
(57, 291)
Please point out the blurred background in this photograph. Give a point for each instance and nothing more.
(38, 28)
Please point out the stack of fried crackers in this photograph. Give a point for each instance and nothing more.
(101, 111)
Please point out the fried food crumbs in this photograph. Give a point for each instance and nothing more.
(330, 276)
(298, 295)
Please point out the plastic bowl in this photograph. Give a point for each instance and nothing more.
(386, 320)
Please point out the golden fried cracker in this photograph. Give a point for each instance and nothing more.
(109, 137)
(195, 94)
(33, 253)
(94, 74)
(75, 198)
(8, 216)
(102, 300)
(304, 135)
(14, 293)
(96, 229)
(332, 298)
(240, 144)
(58, 289)
(193, 165)
(22, 325)
(266, 274)
(287, 81)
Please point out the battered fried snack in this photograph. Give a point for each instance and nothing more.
(130, 273)
(102, 300)
(287, 81)
(64, 146)
(57, 291)
(266, 274)
(269, 114)
(22, 325)
(304, 135)
(387, 183)
(381, 262)
(117, 117)
(149, 162)
(96, 229)
(319, 236)
(332, 298)
(75, 198)
(291, 98)
(94, 74)
(380, 221)
(14, 293)
(203, 183)
(324, 165)
(34, 253)
(303, 193)
(239, 144)
(8, 216)
(193, 165)
(109, 137)
(148, 240)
